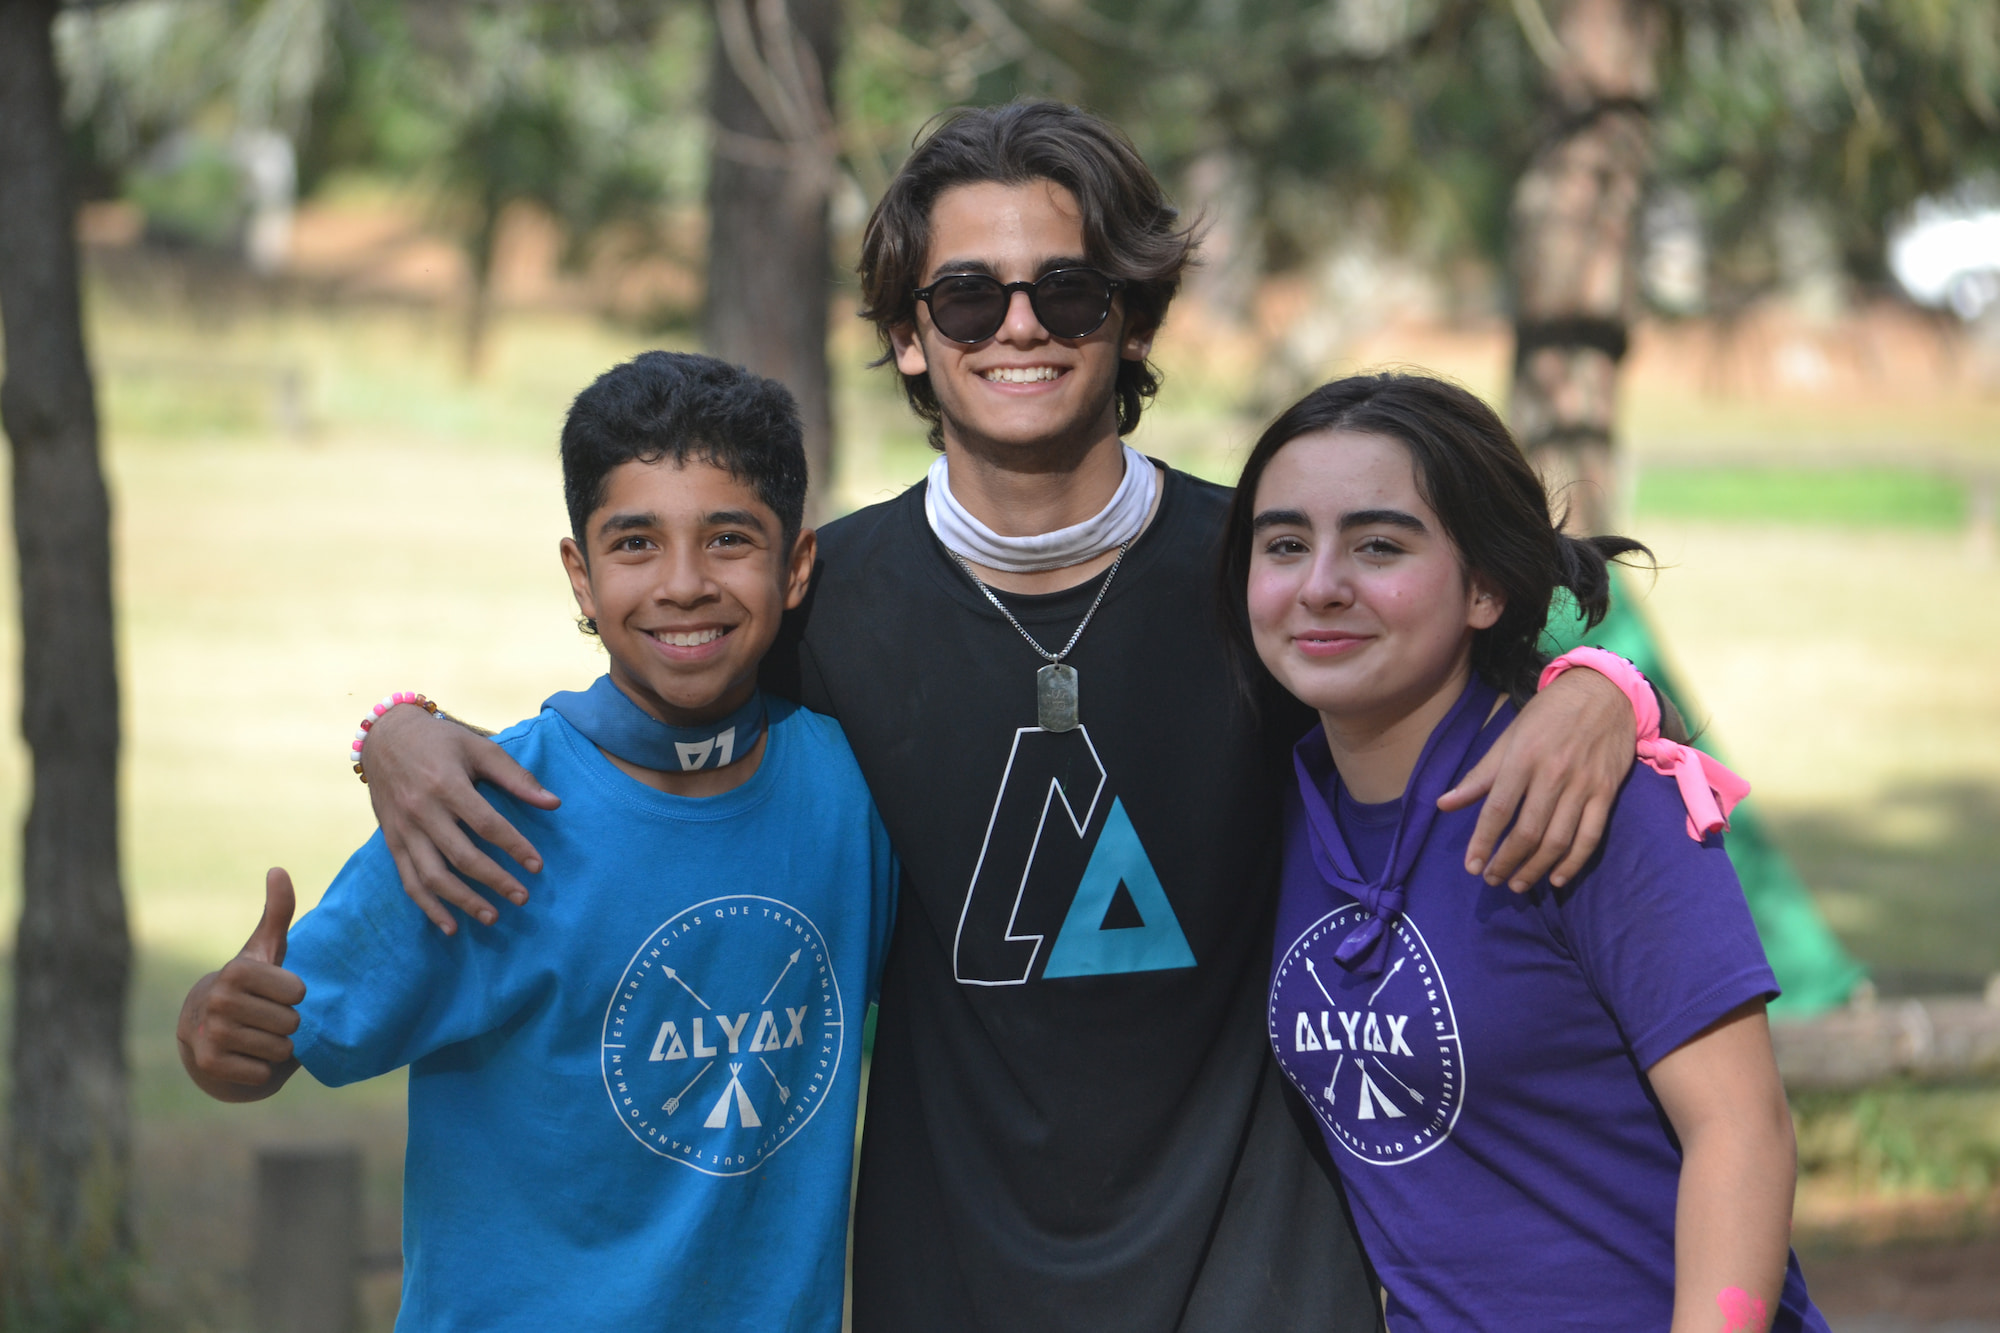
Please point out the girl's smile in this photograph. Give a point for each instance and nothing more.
(1327, 643)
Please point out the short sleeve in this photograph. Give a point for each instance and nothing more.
(1659, 924)
(384, 987)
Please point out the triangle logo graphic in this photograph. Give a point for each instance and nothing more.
(1088, 944)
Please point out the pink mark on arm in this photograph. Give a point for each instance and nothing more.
(1740, 1310)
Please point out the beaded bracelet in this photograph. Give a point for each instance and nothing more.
(368, 723)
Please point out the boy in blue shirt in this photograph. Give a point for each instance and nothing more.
(633, 1107)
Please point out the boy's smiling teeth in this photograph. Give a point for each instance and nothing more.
(691, 639)
(1021, 374)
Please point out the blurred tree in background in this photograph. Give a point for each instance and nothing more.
(574, 108)
(1784, 139)
(589, 111)
(1523, 152)
(773, 164)
(1802, 130)
(1414, 119)
(65, 1226)
(1574, 256)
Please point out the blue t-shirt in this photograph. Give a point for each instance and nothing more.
(1484, 1093)
(632, 1101)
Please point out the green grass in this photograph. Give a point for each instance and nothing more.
(1871, 497)
(1848, 674)
(1902, 1137)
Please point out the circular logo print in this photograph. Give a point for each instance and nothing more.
(1378, 1057)
(724, 1034)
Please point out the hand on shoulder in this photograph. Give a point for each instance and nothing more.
(421, 781)
(1553, 775)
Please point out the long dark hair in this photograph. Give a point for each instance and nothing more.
(1471, 473)
(1130, 230)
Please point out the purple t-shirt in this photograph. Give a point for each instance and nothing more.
(1483, 1090)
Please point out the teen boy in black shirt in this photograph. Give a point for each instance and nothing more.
(1073, 1121)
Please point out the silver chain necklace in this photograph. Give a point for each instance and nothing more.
(1055, 684)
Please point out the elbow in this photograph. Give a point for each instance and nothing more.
(1770, 1122)
(1785, 1133)
(1765, 1127)
(1764, 1147)
(1757, 1134)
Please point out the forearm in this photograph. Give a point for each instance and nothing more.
(473, 727)
(1732, 1225)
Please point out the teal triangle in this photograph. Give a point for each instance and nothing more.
(1815, 972)
(1084, 947)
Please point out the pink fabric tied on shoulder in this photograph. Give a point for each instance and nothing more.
(1708, 790)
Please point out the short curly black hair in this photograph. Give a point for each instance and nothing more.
(679, 405)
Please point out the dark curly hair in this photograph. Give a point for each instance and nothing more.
(1130, 230)
(1473, 476)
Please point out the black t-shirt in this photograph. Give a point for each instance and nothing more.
(1073, 1119)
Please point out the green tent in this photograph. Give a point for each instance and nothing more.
(1815, 971)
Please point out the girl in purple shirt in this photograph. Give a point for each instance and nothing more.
(1552, 1110)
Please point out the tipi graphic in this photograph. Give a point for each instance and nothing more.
(1371, 1097)
(719, 1117)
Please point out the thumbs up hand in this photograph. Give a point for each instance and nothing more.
(236, 1026)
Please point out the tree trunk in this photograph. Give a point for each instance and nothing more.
(479, 302)
(770, 263)
(70, 1145)
(1575, 253)
(1220, 189)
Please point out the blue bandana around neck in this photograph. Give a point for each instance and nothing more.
(618, 726)
(1366, 947)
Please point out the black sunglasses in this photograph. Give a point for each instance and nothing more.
(971, 307)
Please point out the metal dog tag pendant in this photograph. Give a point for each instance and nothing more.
(1055, 697)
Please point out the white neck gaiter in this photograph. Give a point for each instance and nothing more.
(1117, 523)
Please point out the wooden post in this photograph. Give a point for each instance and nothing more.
(1937, 1038)
(306, 1251)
